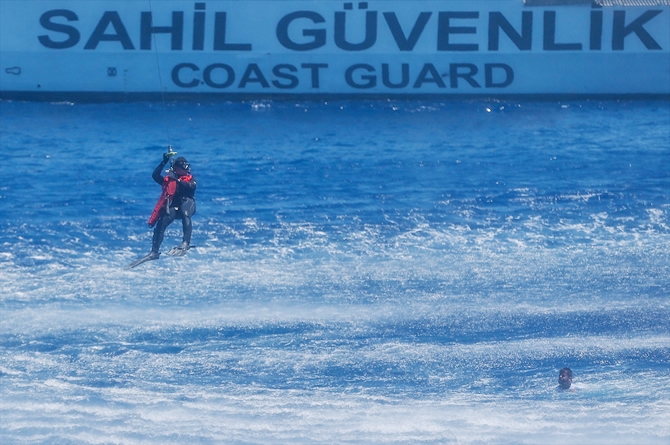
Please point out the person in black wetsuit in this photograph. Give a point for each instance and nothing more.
(182, 206)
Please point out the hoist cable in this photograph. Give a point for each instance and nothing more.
(160, 77)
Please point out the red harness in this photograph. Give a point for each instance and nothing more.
(169, 189)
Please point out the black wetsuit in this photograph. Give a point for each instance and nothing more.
(182, 207)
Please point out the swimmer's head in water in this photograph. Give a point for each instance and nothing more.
(565, 378)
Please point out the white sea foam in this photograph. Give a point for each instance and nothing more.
(372, 272)
(226, 414)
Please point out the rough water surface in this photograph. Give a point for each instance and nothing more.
(365, 272)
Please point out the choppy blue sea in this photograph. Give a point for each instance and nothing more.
(365, 272)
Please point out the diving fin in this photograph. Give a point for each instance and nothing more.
(180, 250)
(144, 259)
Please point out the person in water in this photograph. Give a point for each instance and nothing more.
(565, 379)
(182, 205)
